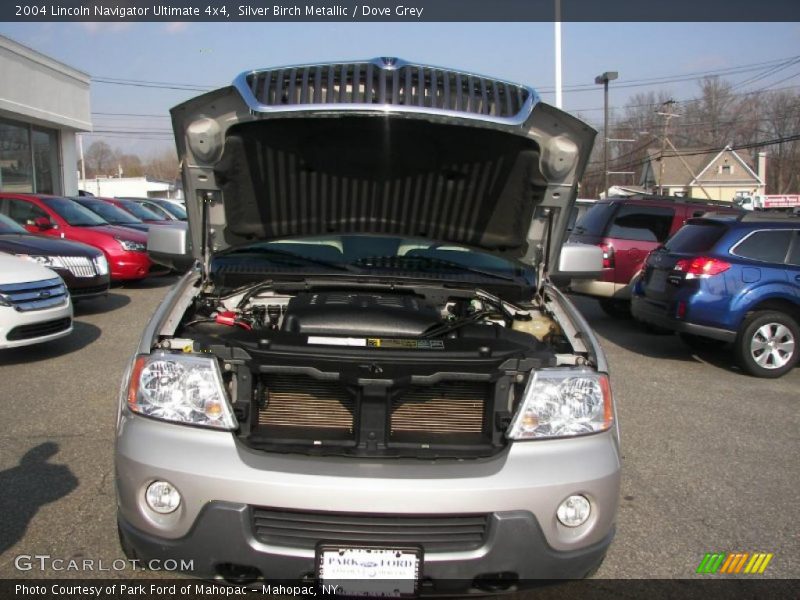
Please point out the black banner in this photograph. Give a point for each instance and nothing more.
(400, 10)
(745, 587)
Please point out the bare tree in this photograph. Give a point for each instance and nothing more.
(782, 120)
(130, 165)
(163, 166)
(100, 160)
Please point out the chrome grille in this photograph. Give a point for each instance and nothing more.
(36, 295)
(296, 401)
(451, 407)
(436, 533)
(386, 82)
(79, 266)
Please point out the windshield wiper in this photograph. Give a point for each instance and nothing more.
(392, 261)
(285, 254)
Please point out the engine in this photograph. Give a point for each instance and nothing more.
(433, 373)
(374, 315)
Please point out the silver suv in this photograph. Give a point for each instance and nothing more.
(367, 379)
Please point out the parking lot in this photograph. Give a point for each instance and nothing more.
(709, 455)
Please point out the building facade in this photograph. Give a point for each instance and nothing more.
(43, 105)
(721, 175)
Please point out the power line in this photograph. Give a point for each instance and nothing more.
(188, 87)
(745, 146)
(689, 101)
(683, 76)
(112, 114)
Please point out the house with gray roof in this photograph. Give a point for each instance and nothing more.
(697, 173)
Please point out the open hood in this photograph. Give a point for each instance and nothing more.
(381, 146)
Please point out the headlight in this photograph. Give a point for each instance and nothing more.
(563, 402)
(182, 389)
(101, 264)
(53, 262)
(132, 246)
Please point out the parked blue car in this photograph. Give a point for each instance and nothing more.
(730, 279)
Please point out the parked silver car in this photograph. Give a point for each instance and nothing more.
(368, 380)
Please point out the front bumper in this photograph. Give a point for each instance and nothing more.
(82, 288)
(220, 479)
(39, 325)
(129, 266)
(658, 315)
(222, 540)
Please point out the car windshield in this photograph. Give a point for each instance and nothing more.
(109, 212)
(139, 211)
(73, 213)
(173, 209)
(9, 226)
(405, 257)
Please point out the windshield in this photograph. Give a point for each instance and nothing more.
(379, 255)
(139, 211)
(173, 209)
(9, 226)
(73, 213)
(109, 212)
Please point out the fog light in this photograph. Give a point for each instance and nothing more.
(574, 511)
(162, 497)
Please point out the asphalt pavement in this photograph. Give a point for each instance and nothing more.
(709, 454)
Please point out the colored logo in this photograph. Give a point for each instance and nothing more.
(735, 563)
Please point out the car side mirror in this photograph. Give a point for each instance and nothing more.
(168, 245)
(42, 223)
(577, 261)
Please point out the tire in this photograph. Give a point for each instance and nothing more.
(768, 344)
(700, 343)
(619, 309)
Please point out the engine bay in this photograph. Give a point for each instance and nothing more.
(425, 372)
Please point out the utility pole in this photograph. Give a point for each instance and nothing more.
(667, 113)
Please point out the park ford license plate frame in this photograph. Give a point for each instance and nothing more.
(370, 570)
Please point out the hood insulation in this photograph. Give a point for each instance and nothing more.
(379, 174)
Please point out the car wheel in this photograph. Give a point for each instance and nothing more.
(767, 345)
(700, 343)
(619, 309)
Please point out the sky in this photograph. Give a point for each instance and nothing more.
(212, 54)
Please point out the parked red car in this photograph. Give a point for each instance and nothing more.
(125, 249)
(140, 212)
(628, 229)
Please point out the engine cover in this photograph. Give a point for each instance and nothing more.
(345, 313)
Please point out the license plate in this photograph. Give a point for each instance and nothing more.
(369, 571)
(658, 281)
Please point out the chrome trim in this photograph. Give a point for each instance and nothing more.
(387, 65)
(766, 262)
(35, 295)
(79, 266)
(29, 285)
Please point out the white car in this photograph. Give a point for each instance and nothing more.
(35, 305)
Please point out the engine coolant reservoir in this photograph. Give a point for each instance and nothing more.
(536, 324)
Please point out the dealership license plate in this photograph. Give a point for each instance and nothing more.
(658, 281)
(370, 572)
